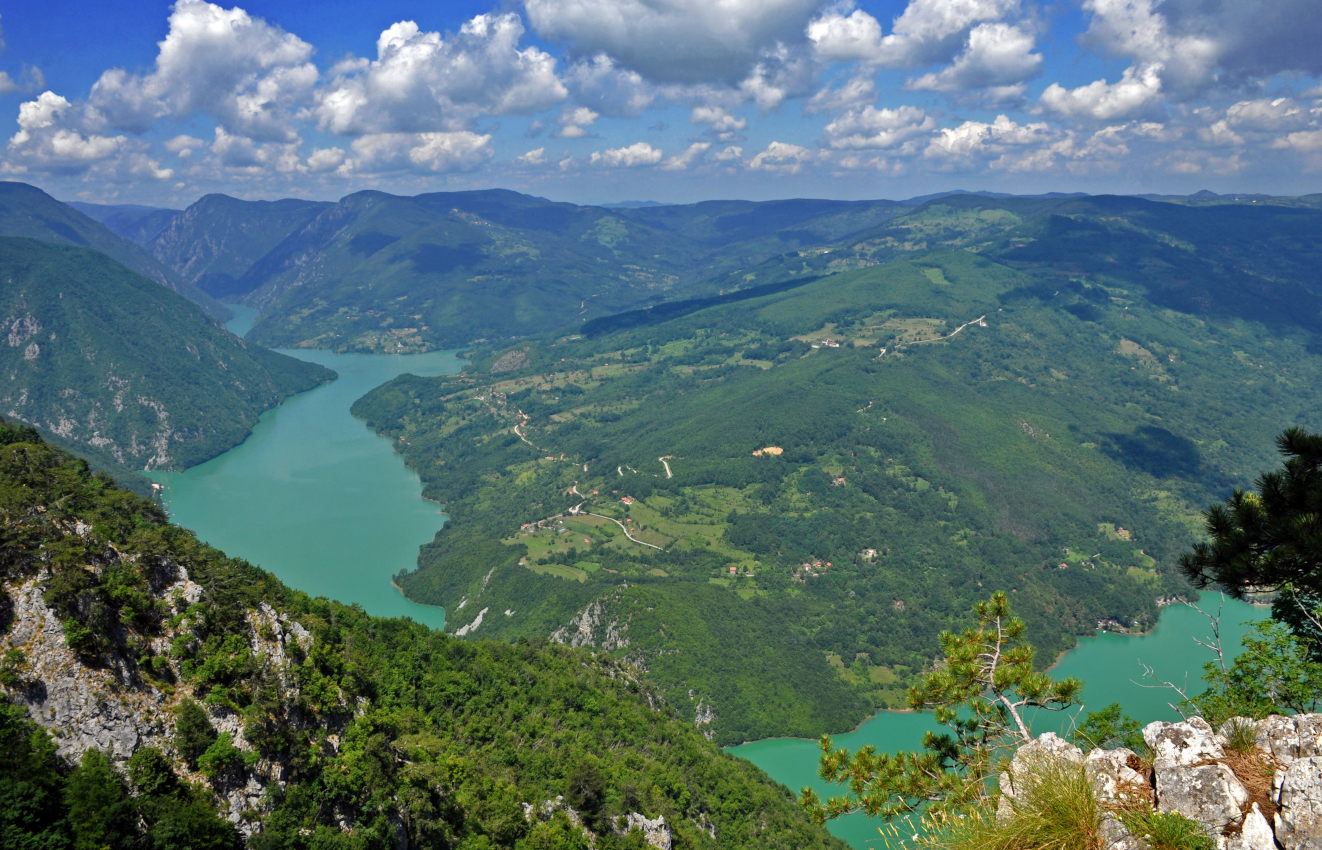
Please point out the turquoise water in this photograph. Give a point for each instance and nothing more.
(315, 496)
(1111, 667)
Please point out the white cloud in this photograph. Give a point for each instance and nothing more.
(837, 37)
(935, 30)
(674, 41)
(183, 144)
(783, 157)
(639, 153)
(1205, 44)
(731, 153)
(997, 55)
(859, 90)
(417, 152)
(981, 138)
(720, 120)
(574, 121)
(536, 156)
(51, 140)
(326, 159)
(421, 81)
(878, 128)
(43, 143)
(1304, 141)
(1280, 113)
(1138, 90)
(607, 88)
(683, 161)
(245, 73)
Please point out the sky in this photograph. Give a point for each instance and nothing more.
(676, 101)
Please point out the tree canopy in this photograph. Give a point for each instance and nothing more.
(1271, 540)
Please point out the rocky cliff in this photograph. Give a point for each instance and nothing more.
(1251, 785)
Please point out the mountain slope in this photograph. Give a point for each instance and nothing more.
(214, 242)
(27, 211)
(134, 222)
(121, 367)
(387, 273)
(1036, 394)
(249, 714)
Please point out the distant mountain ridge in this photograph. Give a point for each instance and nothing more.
(381, 272)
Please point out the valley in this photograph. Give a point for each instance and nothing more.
(767, 484)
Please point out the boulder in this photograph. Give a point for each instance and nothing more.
(1298, 791)
(1208, 793)
(1185, 743)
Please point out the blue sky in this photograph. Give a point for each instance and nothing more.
(670, 100)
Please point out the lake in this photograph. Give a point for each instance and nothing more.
(1111, 667)
(315, 496)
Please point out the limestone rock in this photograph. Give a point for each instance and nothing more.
(1113, 780)
(1186, 743)
(1299, 796)
(1256, 833)
(1210, 793)
(655, 832)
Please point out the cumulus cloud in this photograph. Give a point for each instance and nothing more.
(997, 55)
(837, 37)
(43, 142)
(1138, 90)
(639, 153)
(685, 160)
(936, 30)
(982, 138)
(417, 152)
(326, 159)
(245, 73)
(574, 122)
(51, 140)
(674, 41)
(857, 91)
(870, 127)
(783, 157)
(421, 81)
(1304, 141)
(718, 119)
(729, 154)
(603, 85)
(1200, 44)
(1281, 113)
(536, 156)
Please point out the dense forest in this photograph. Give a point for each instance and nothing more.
(311, 723)
(834, 466)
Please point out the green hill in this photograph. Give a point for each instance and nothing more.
(1029, 394)
(126, 371)
(240, 713)
(27, 211)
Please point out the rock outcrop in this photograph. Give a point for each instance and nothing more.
(1259, 796)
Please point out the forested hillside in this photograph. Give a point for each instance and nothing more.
(239, 712)
(125, 370)
(28, 211)
(380, 272)
(1029, 394)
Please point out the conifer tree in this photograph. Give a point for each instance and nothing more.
(978, 692)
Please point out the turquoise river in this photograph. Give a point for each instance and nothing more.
(326, 505)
